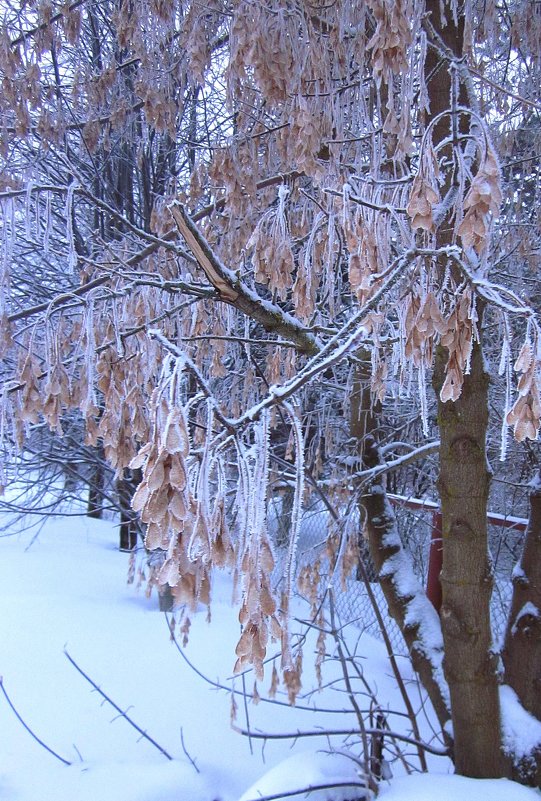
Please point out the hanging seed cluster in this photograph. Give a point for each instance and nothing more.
(300, 137)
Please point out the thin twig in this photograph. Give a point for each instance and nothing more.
(120, 711)
(295, 735)
(246, 714)
(193, 762)
(276, 702)
(28, 729)
(349, 688)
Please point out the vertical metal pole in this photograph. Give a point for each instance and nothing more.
(435, 562)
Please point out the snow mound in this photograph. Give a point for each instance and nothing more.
(427, 786)
(336, 775)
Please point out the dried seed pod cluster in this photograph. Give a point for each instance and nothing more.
(525, 416)
(166, 505)
(483, 199)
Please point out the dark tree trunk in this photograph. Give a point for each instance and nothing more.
(522, 648)
(94, 507)
(128, 521)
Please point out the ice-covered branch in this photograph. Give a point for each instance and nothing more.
(233, 290)
(401, 461)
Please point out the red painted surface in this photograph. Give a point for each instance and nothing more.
(435, 560)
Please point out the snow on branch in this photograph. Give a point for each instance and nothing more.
(233, 290)
(401, 461)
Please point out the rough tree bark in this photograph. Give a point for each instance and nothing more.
(470, 664)
(466, 578)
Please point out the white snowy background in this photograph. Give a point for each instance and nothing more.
(66, 589)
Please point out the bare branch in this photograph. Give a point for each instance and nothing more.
(27, 727)
(121, 712)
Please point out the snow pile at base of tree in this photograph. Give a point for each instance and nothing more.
(67, 590)
(521, 731)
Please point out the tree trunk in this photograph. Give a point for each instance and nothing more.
(522, 648)
(408, 605)
(94, 507)
(128, 523)
(363, 422)
(470, 662)
(283, 532)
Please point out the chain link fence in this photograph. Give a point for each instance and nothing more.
(352, 602)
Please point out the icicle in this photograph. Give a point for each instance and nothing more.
(5, 264)
(27, 210)
(247, 348)
(330, 272)
(424, 102)
(241, 497)
(283, 193)
(48, 224)
(346, 191)
(421, 376)
(90, 400)
(402, 338)
(530, 332)
(68, 211)
(258, 492)
(296, 515)
(279, 224)
(8, 238)
(505, 368)
(507, 407)
(446, 278)
(3, 402)
(37, 215)
(175, 390)
(118, 339)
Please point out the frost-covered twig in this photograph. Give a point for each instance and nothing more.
(295, 735)
(120, 711)
(218, 686)
(27, 727)
(401, 461)
(387, 208)
(175, 351)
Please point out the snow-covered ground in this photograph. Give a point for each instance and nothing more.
(68, 592)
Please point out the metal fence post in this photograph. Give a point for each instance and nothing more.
(435, 561)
